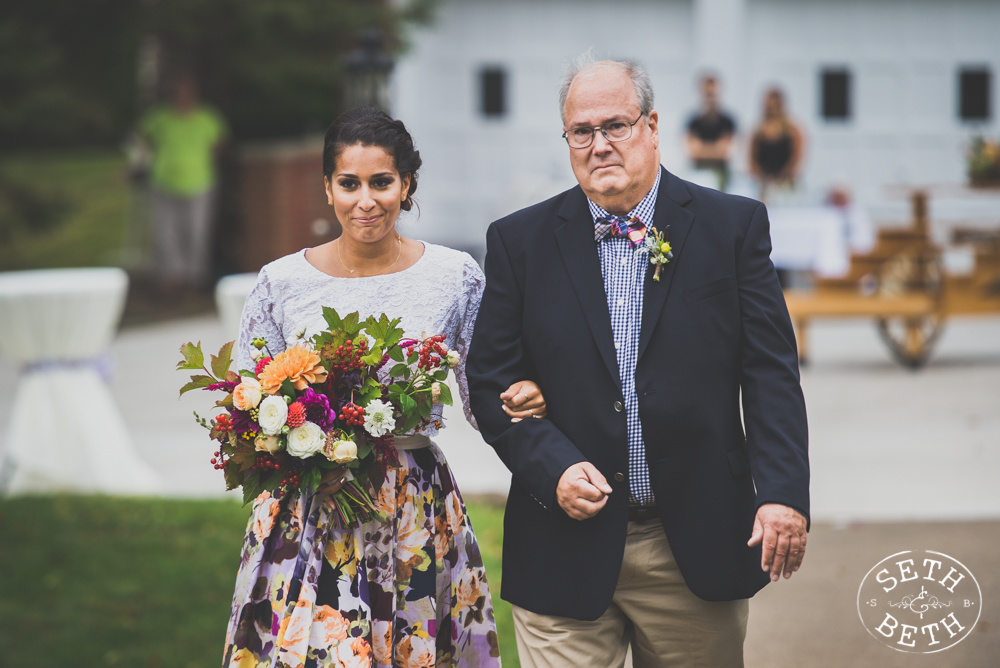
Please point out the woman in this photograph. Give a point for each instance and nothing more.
(777, 146)
(412, 591)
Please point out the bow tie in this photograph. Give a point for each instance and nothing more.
(632, 229)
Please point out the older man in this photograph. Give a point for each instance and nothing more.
(642, 510)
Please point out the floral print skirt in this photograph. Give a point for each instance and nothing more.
(410, 592)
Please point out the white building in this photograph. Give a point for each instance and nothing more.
(479, 92)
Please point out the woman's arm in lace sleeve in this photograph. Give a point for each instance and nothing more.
(260, 319)
(473, 282)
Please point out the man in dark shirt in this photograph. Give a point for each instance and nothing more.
(710, 132)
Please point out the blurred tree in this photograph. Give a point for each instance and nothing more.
(272, 67)
(66, 71)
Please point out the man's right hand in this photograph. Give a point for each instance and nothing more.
(582, 491)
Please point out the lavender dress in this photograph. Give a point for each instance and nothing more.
(410, 593)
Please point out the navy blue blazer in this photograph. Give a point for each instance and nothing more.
(715, 325)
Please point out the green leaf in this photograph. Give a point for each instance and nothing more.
(332, 318)
(288, 389)
(396, 354)
(311, 478)
(233, 477)
(350, 324)
(409, 423)
(406, 403)
(221, 362)
(424, 407)
(445, 395)
(361, 476)
(193, 357)
(364, 449)
(440, 374)
(398, 370)
(274, 480)
(251, 487)
(244, 458)
(226, 401)
(197, 382)
(372, 358)
(367, 394)
(247, 374)
(394, 334)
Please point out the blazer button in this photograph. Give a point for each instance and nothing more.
(619, 477)
(619, 407)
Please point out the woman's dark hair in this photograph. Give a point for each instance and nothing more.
(369, 126)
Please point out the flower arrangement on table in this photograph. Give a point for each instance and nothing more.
(984, 162)
(323, 403)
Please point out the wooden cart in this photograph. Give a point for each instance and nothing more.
(901, 284)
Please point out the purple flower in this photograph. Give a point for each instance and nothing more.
(242, 422)
(318, 409)
(226, 385)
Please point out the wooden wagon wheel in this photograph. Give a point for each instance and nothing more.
(911, 339)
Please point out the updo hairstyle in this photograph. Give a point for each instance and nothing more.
(369, 126)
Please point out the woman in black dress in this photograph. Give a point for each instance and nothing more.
(777, 146)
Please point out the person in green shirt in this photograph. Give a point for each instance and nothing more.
(185, 136)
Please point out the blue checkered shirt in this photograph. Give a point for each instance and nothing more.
(624, 273)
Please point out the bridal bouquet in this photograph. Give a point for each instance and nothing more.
(322, 403)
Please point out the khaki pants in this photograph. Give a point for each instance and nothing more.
(652, 609)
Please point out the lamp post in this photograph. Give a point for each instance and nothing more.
(368, 68)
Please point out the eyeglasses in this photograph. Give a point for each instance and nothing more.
(613, 131)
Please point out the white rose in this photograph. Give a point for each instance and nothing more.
(341, 451)
(452, 359)
(256, 354)
(271, 418)
(435, 392)
(269, 444)
(305, 441)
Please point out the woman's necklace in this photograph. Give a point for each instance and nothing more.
(399, 240)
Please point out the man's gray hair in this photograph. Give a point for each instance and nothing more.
(586, 63)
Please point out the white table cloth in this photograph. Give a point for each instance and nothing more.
(812, 238)
(66, 433)
(230, 295)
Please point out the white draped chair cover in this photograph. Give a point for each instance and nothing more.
(230, 296)
(66, 433)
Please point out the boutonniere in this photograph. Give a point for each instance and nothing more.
(658, 249)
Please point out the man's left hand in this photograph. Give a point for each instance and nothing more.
(783, 532)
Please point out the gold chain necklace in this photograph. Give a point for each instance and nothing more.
(399, 240)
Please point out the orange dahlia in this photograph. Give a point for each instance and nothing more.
(297, 364)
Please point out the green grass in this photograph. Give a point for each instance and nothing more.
(100, 581)
(91, 194)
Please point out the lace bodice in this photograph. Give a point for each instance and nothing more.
(439, 294)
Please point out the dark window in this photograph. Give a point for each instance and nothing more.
(493, 91)
(974, 94)
(835, 104)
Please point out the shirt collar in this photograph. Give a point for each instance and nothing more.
(644, 209)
